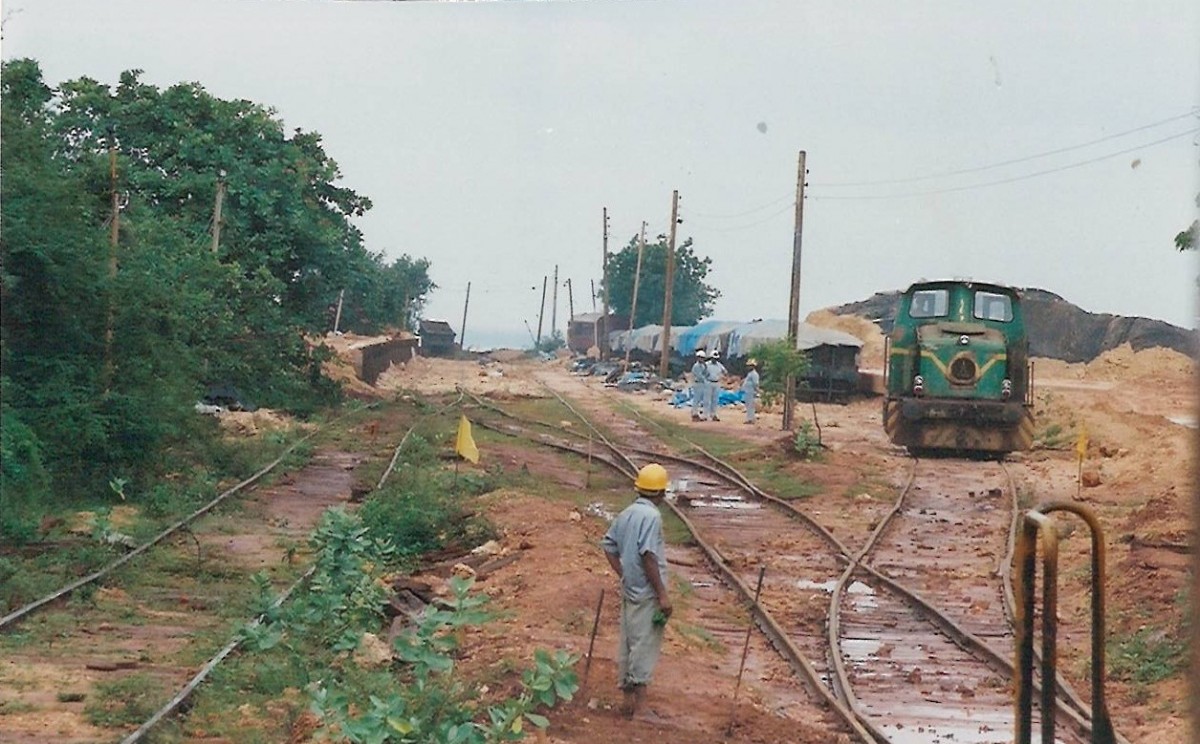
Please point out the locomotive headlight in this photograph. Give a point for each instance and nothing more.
(964, 339)
(918, 385)
(1006, 389)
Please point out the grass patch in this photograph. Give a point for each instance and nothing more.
(1146, 656)
(776, 479)
(126, 701)
(695, 636)
(1052, 437)
(675, 532)
(13, 707)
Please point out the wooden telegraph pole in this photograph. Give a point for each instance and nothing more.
(541, 314)
(666, 331)
(114, 240)
(570, 300)
(637, 277)
(337, 315)
(789, 392)
(462, 331)
(216, 226)
(554, 305)
(602, 340)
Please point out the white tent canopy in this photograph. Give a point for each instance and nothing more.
(646, 338)
(745, 337)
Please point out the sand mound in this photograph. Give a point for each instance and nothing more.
(251, 423)
(864, 330)
(1158, 362)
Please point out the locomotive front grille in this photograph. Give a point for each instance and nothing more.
(962, 370)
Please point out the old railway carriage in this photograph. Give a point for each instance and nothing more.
(957, 373)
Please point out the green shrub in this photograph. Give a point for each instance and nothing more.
(807, 442)
(420, 512)
(434, 706)
(777, 360)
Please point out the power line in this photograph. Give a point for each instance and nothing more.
(975, 169)
(1024, 177)
(768, 218)
(752, 210)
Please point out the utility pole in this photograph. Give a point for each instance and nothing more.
(602, 341)
(554, 305)
(216, 226)
(114, 240)
(570, 300)
(666, 331)
(337, 316)
(541, 314)
(462, 331)
(789, 391)
(637, 276)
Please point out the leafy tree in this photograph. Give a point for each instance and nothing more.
(551, 343)
(105, 350)
(776, 360)
(691, 298)
(52, 285)
(1189, 239)
(379, 297)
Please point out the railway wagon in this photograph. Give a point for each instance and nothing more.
(958, 376)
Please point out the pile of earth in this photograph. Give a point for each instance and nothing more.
(1057, 328)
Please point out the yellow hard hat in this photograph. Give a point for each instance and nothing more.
(751, 362)
(652, 477)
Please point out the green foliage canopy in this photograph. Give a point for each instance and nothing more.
(691, 300)
(106, 348)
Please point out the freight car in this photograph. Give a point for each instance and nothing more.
(958, 377)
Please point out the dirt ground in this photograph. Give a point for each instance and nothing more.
(1137, 411)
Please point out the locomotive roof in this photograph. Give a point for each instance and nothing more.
(941, 283)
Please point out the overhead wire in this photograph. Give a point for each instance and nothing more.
(736, 228)
(735, 215)
(1012, 179)
(1192, 113)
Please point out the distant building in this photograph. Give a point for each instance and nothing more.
(590, 329)
(437, 338)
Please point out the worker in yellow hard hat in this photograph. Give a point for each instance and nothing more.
(636, 551)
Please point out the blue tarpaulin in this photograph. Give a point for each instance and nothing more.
(726, 397)
(708, 334)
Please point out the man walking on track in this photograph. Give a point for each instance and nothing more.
(635, 549)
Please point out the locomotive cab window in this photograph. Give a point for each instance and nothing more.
(990, 306)
(929, 303)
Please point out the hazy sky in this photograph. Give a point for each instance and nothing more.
(491, 135)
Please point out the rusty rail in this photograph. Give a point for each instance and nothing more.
(1037, 523)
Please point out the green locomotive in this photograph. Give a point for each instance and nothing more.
(957, 370)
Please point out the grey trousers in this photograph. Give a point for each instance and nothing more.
(640, 644)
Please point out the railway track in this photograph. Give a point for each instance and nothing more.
(165, 612)
(908, 637)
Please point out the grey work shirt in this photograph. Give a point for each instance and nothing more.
(637, 530)
(750, 384)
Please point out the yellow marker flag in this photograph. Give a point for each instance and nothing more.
(465, 443)
(1081, 444)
